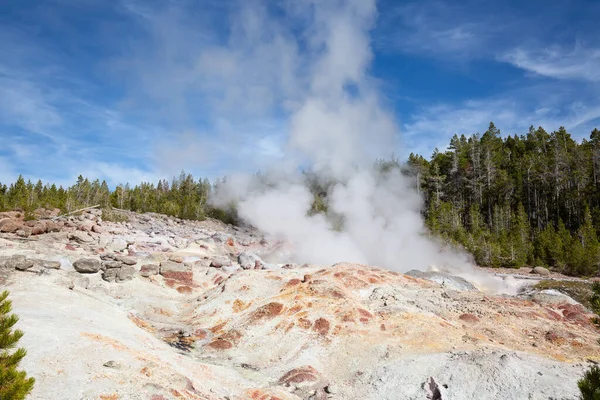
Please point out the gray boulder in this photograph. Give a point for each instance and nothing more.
(446, 280)
(551, 296)
(111, 265)
(167, 267)
(125, 274)
(81, 237)
(541, 271)
(220, 237)
(87, 265)
(148, 270)
(97, 229)
(110, 275)
(126, 260)
(24, 232)
(21, 263)
(221, 262)
(249, 260)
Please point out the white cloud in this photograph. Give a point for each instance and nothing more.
(24, 105)
(560, 62)
(7, 172)
(445, 30)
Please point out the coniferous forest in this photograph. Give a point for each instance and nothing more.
(522, 200)
(532, 199)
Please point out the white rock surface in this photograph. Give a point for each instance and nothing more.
(312, 332)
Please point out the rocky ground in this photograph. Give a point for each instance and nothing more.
(158, 308)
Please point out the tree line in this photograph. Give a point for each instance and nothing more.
(182, 197)
(531, 199)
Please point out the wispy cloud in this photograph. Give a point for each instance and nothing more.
(445, 30)
(432, 126)
(575, 62)
(24, 105)
(7, 173)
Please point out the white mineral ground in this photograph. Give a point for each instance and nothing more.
(171, 314)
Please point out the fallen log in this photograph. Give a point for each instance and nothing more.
(76, 211)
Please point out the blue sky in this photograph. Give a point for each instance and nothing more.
(130, 90)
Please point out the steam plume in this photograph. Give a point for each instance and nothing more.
(339, 128)
(312, 73)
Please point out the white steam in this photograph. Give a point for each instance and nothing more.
(338, 129)
(307, 71)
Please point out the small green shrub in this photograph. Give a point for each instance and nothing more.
(589, 385)
(595, 300)
(29, 216)
(14, 384)
(227, 215)
(111, 215)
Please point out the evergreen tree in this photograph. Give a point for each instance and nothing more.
(14, 384)
(589, 385)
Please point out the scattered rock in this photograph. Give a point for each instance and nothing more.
(148, 270)
(87, 265)
(112, 364)
(24, 232)
(469, 318)
(10, 225)
(432, 389)
(86, 226)
(541, 271)
(300, 375)
(97, 229)
(52, 226)
(220, 237)
(90, 216)
(125, 274)
(177, 272)
(446, 280)
(331, 389)
(126, 260)
(81, 237)
(176, 259)
(249, 260)
(110, 275)
(21, 263)
(39, 228)
(551, 296)
(220, 262)
(111, 265)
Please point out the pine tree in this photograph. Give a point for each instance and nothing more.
(14, 384)
(589, 385)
